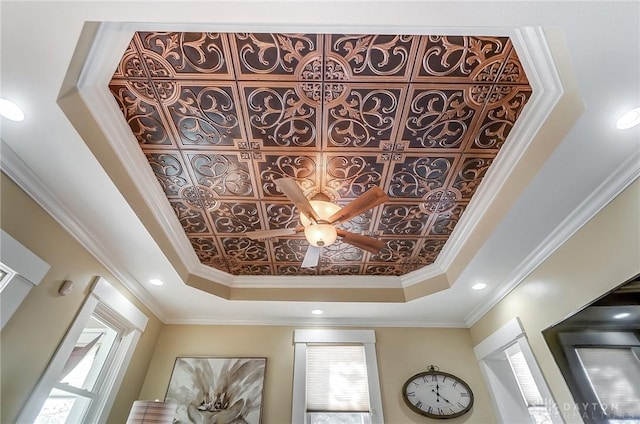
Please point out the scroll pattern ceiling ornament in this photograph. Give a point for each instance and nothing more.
(219, 116)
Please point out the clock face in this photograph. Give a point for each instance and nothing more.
(437, 394)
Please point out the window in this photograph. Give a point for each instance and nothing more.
(603, 369)
(80, 382)
(20, 270)
(517, 388)
(614, 377)
(336, 378)
(528, 388)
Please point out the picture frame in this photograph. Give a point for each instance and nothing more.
(224, 390)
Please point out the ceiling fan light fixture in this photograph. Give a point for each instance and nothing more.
(320, 234)
(322, 208)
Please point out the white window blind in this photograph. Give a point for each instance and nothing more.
(525, 380)
(614, 374)
(337, 379)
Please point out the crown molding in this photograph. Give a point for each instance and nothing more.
(319, 323)
(19, 173)
(609, 189)
(537, 59)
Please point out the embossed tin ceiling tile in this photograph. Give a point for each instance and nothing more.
(186, 55)
(225, 174)
(220, 116)
(512, 71)
(395, 250)
(141, 113)
(271, 167)
(241, 249)
(438, 117)
(169, 169)
(469, 174)
(402, 219)
(235, 218)
(293, 269)
(339, 269)
(364, 117)
(418, 175)
(343, 253)
(192, 219)
(291, 249)
(385, 269)
(281, 115)
(505, 104)
(283, 57)
(279, 215)
(367, 57)
(352, 175)
(130, 66)
(430, 249)
(445, 222)
(452, 59)
(206, 115)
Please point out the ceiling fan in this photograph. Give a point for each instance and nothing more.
(319, 218)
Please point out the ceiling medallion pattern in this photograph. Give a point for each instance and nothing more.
(220, 116)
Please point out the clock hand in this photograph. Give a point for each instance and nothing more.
(440, 396)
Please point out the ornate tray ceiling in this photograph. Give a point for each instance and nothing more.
(219, 116)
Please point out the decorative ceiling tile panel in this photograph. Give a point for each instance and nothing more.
(291, 57)
(364, 116)
(438, 117)
(193, 55)
(281, 114)
(169, 170)
(447, 59)
(370, 57)
(206, 115)
(220, 116)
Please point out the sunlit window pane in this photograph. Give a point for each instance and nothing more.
(338, 418)
(614, 374)
(71, 396)
(59, 405)
(337, 379)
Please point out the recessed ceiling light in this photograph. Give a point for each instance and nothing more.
(479, 286)
(621, 315)
(156, 282)
(11, 110)
(629, 119)
(317, 312)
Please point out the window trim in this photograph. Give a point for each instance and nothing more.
(24, 270)
(576, 376)
(506, 337)
(133, 322)
(303, 337)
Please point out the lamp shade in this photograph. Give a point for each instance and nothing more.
(149, 411)
(320, 234)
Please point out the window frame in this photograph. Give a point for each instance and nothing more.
(515, 409)
(326, 336)
(576, 376)
(22, 271)
(131, 321)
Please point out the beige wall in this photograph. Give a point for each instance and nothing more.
(601, 255)
(402, 352)
(31, 336)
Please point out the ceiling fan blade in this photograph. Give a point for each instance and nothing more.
(292, 190)
(363, 242)
(371, 198)
(312, 257)
(265, 234)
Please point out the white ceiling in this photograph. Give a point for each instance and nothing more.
(596, 49)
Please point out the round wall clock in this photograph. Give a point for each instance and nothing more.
(437, 394)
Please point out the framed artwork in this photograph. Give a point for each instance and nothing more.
(217, 390)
